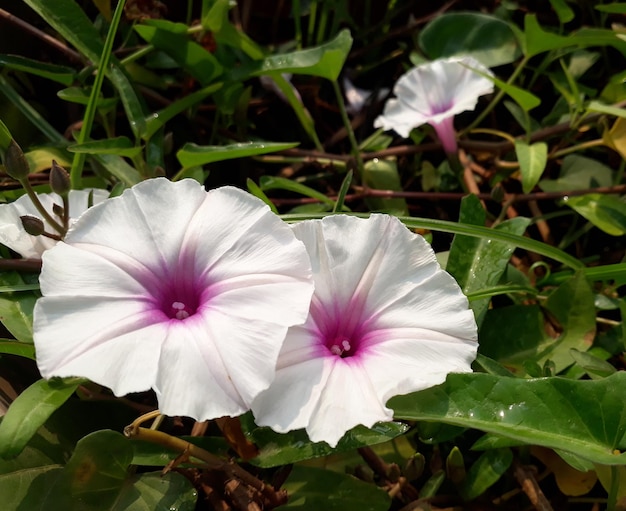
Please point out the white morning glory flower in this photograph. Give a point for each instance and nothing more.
(176, 289)
(433, 93)
(385, 319)
(357, 98)
(12, 233)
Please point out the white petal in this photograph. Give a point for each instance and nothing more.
(147, 222)
(112, 342)
(414, 322)
(12, 233)
(435, 91)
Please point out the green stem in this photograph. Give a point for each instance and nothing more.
(497, 97)
(42, 211)
(297, 21)
(136, 55)
(578, 147)
(76, 172)
(348, 125)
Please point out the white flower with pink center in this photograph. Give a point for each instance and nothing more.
(385, 319)
(12, 233)
(176, 289)
(433, 93)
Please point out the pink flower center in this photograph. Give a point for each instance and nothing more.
(341, 330)
(180, 298)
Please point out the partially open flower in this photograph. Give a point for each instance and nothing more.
(433, 93)
(385, 319)
(176, 289)
(12, 232)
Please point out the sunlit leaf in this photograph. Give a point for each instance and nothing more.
(122, 146)
(192, 155)
(16, 309)
(477, 263)
(325, 60)
(486, 38)
(587, 418)
(383, 175)
(20, 349)
(532, 160)
(30, 410)
(563, 11)
(606, 212)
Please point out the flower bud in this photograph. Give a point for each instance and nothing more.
(32, 225)
(59, 179)
(58, 210)
(15, 162)
(455, 466)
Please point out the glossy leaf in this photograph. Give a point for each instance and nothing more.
(325, 60)
(30, 411)
(532, 160)
(486, 471)
(281, 449)
(281, 183)
(173, 39)
(122, 146)
(60, 74)
(156, 492)
(606, 212)
(192, 155)
(383, 175)
(312, 489)
(16, 309)
(477, 263)
(486, 38)
(21, 349)
(586, 418)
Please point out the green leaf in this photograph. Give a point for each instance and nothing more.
(118, 168)
(325, 60)
(614, 8)
(383, 175)
(578, 173)
(155, 121)
(192, 155)
(81, 97)
(486, 38)
(592, 364)
(478, 263)
(526, 100)
(121, 146)
(586, 418)
(597, 106)
(30, 410)
(67, 17)
(5, 137)
(281, 183)
(16, 309)
(173, 39)
(20, 349)
(563, 11)
(60, 74)
(532, 160)
(281, 449)
(255, 190)
(312, 489)
(485, 472)
(606, 212)
(156, 492)
(513, 335)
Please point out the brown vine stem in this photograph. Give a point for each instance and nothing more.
(211, 461)
(58, 45)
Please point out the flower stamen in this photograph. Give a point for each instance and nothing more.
(180, 311)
